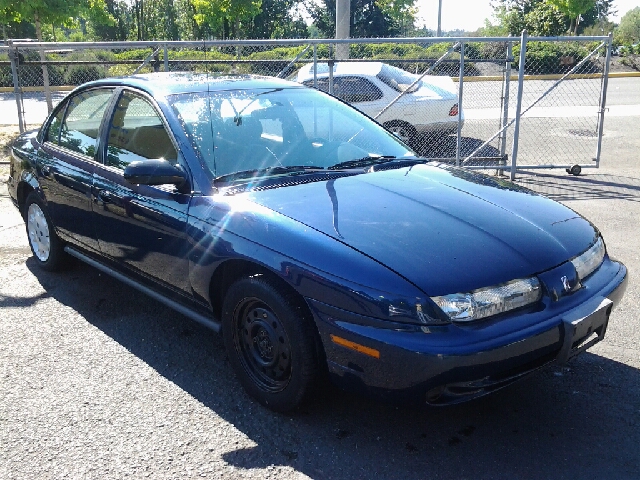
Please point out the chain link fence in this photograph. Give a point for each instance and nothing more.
(482, 103)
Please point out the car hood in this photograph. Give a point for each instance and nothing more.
(444, 229)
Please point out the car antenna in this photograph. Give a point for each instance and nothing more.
(213, 147)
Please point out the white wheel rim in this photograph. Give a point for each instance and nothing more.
(38, 229)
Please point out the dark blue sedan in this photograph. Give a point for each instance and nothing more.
(313, 238)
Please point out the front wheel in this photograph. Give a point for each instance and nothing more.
(45, 245)
(271, 342)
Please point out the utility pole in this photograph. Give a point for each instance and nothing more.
(439, 33)
(343, 24)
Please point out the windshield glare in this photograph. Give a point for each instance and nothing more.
(238, 130)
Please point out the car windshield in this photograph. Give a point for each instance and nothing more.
(398, 79)
(260, 131)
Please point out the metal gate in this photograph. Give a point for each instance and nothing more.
(556, 121)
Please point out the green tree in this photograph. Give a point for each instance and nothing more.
(225, 15)
(598, 16)
(628, 32)
(116, 29)
(52, 12)
(369, 18)
(573, 9)
(278, 19)
(545, 17)
(545, 20)
(402, 12)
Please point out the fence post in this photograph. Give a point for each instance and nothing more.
(45, 79)
(505, 103)
(330, 64)
(315, 66)
(14, 57)
(156, 61)
(603, 99)
(166, 58)
(460, 91)
(516, 130)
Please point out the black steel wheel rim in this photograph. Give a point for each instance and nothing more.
(262, 345)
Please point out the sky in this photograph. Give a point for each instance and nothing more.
(470, 14)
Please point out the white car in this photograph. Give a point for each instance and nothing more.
(431, 105)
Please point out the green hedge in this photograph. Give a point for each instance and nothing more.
(556, 57)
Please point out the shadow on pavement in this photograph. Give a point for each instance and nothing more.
(445, 146)
(592, 186)
(581, 421)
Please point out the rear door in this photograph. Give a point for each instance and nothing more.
(67, 161)
(141, 227)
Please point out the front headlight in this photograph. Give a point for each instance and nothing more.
(485, 302)
(590, 260)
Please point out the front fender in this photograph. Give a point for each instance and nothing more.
(315, 265)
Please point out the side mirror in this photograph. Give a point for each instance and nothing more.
(155, 172)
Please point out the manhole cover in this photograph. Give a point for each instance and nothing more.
(584, 133)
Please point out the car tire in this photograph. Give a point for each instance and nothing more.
(404, 131)
(271, 342)
(574, 170)
(46, 246)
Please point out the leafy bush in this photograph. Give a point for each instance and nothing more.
(630, 56)
(6, 77)
(555, 57)
(79, 74)
(626, 50)
(378, 51)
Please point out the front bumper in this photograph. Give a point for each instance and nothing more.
(453, 363)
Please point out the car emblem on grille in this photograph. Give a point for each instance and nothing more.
(565, 283)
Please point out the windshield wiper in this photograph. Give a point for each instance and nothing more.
(238, 117)
(261, 172)
(363, 162)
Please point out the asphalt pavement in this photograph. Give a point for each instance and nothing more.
(99, 381)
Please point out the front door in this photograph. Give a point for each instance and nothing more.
(141, 227)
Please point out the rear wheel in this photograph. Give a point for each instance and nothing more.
(271, 342)
(403, 130)
(45, 245)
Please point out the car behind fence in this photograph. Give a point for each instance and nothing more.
(502, 103)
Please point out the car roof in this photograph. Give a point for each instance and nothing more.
(168, 83)
(340, 68)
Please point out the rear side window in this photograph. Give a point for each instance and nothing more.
(349, 89)
(398, 79)
(53, 132)
(356, 89)
(81, 125)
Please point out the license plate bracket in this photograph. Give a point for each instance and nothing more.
(584, 326)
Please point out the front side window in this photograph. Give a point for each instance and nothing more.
(136, 133)
(81, 125)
